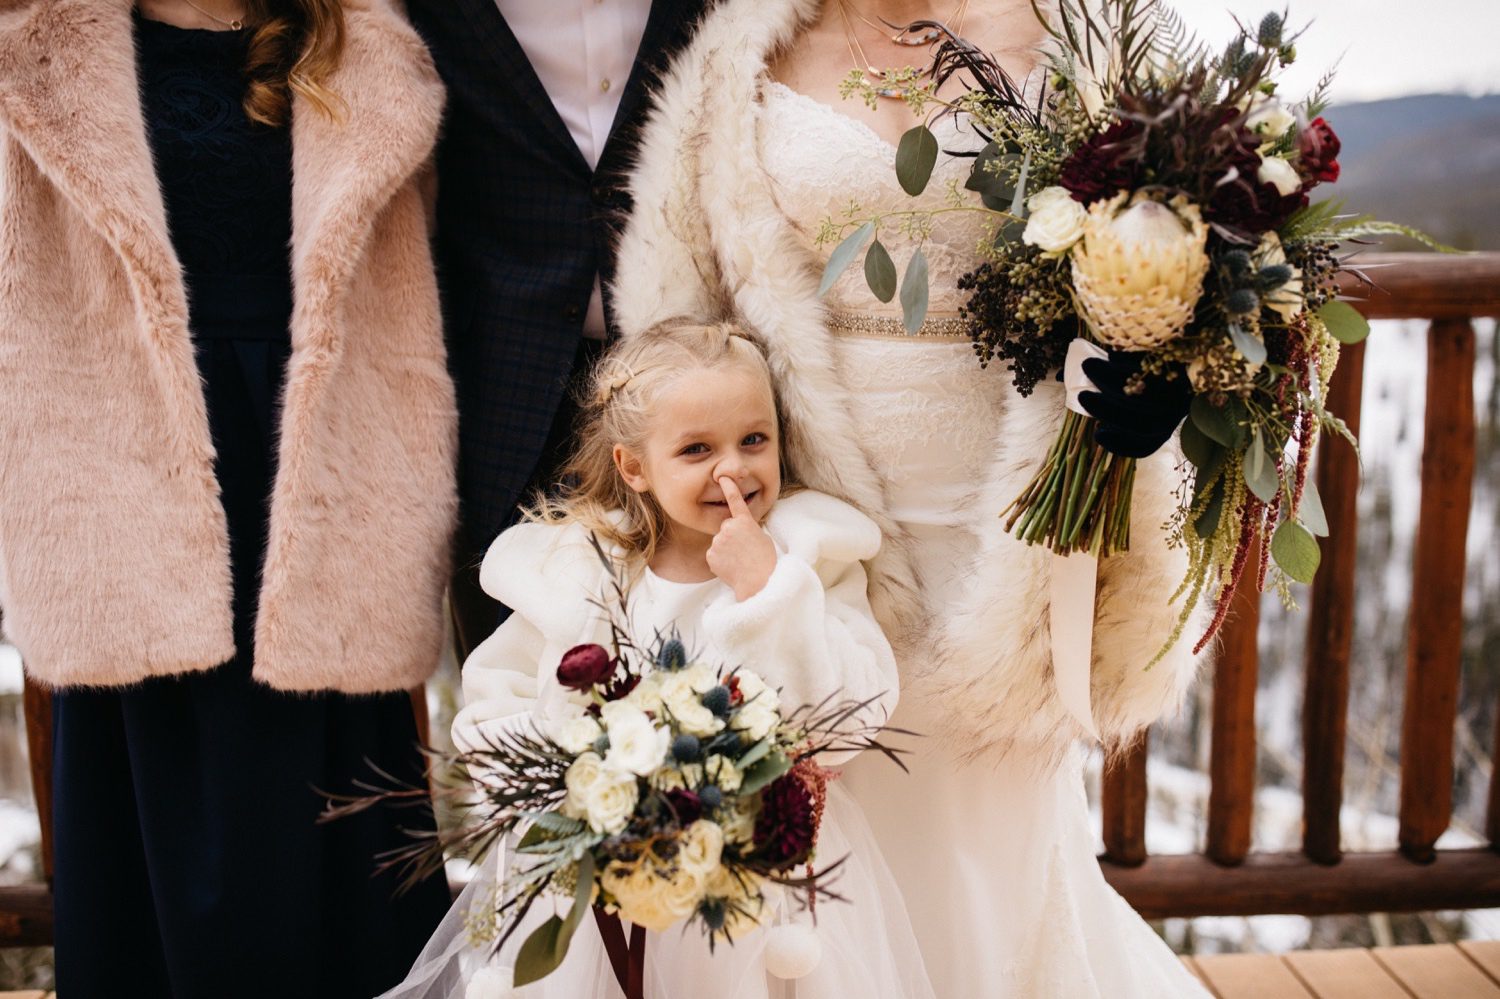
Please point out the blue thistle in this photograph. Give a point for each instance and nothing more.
(686, 748)
(716, 699)
(672, 655)
(710, 797)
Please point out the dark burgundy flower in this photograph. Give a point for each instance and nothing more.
(1105, 165)
(787, 825)
(686, 805)
(1242, 202)
(622, 685)
(1319, 151)
(583, 666)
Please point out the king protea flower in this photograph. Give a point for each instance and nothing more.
(1138, 271)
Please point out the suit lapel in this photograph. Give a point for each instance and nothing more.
(667, 28)
(493, 34)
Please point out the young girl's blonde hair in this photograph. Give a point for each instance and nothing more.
(617, 407)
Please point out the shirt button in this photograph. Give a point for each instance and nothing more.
(604, 85)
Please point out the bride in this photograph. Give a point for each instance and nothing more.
(749, 148)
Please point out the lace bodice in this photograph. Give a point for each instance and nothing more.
(926, 411)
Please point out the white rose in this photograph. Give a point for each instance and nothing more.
(647, 694)
(576, 734)
(757, 719)
(1286, 300)
(1278, 173)
(603, 798)
(685, 705)
(1267, 117)
(636, 745)
(1056, 220)
(701, 847)
(640, 896)
(721, 770)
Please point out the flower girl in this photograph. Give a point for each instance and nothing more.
(678, 475)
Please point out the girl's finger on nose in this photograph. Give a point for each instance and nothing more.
(737, 505)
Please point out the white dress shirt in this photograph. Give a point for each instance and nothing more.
(582, 51)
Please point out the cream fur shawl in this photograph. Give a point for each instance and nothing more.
(707, 237)
(114, 561)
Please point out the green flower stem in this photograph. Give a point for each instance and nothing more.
(1079, 499)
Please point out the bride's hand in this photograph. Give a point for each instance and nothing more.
(742, 553)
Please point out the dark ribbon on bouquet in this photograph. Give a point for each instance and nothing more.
(627, 960)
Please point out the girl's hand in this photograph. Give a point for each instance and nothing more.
(742, 554)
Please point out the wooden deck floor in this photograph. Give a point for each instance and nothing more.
(1468, 970)
(1441, 971)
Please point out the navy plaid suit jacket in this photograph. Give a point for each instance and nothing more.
(523, 227)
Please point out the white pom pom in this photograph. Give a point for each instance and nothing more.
(792, 950)
(490, 983)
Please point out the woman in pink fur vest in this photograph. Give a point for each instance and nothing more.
(227, 439)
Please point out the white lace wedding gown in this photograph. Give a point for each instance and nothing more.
(996, 861)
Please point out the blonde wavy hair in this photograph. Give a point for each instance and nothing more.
(295, 46)
(617, 407)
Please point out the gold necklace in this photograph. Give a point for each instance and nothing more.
(234, 25)
(901, 37)
(862, 62)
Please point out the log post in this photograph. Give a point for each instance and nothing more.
(1231, 798)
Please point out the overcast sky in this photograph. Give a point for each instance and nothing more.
(1388, 47)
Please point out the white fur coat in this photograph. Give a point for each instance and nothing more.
(114, 556)
(708, 238)
(809, 633)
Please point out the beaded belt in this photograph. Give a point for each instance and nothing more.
(892, 328)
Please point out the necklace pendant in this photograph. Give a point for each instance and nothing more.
(925, 38)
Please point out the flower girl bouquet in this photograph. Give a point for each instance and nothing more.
(1154, 237)
(678, 792)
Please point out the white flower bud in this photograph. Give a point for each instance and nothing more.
(1279, 174)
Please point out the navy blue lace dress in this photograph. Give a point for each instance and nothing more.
(188, 861)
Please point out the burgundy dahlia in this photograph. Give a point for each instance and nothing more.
(787, 825)
(686, 805)
(1319, 150)
(1105, 165)
(583, 666)
(1243, 202)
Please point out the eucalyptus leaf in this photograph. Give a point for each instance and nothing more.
(1311, 511)
(843, 255)
(1018, 203)
(916, 155)
(1260, 472)
(1296, 551)
(914, 292)
(755, 753)
(1220, 424)
(764, 772)
(1250, 347)
(545, 949)
(993, 183)
(880, 272)
(1344, 322)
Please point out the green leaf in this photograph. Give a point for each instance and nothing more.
(843, 255)
(764, 772)
(1311, 511)
(1260, 471)
(1296, 551)
(1250, 347)
(1196, 445)
(545, 949)
(880, 272)
(992, 182)
(1344, 321)
(1220, 424)
(916, 155)
(755, 753)
(914, 292)
(548, 826)
(1207, 522)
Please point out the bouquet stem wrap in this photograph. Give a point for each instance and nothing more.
(1079, 500)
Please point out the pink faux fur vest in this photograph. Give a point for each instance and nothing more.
(114, 562)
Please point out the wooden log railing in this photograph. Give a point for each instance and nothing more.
(1229, 879)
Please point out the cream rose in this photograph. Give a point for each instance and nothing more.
(638, 894)
(701, 847)
(1267, 116)
(681, 699)
(1279, 174)
(1056, 220)
(601, 797)
(576, 734)
(721, 770)
(681, 894)
(636, 745)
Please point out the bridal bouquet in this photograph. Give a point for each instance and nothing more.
(1153, 236)
(678, 792)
